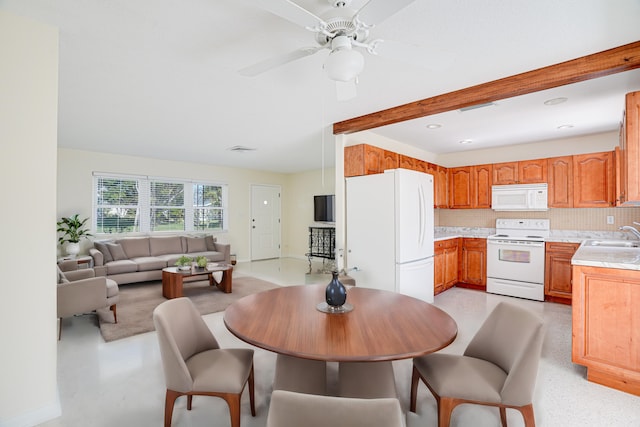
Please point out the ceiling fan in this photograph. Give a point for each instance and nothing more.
(341, 30)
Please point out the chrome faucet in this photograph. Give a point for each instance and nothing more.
(631, 229)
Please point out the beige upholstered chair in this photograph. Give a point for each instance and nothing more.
(194, 363)
(79, 291)
(498, 368)
(290, 409)
(366, 380)
(300, 375)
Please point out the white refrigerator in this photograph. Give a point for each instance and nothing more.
(389, 232)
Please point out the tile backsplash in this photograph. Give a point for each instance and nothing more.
(561, 219)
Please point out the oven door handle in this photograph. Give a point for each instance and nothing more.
(515, 243)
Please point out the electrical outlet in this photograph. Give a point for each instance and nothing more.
(610, 219)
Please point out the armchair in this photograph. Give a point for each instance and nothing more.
(79, 291)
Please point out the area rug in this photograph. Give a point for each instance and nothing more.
(137, 301)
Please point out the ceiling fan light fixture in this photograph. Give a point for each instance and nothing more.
(344, 64)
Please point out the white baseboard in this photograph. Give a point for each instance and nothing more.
(34, 417)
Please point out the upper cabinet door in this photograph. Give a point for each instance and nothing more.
(482, 178)
(593, 179)
(560, 180)
(505, 173)
(532, 171)
(629, 165)
(460, 181)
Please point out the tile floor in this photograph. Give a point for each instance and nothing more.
(121, 384)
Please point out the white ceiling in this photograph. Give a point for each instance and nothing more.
(158, 78)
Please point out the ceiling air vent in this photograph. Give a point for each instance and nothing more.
(240, 149)
(474, 107)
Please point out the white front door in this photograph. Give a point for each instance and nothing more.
(265, 222)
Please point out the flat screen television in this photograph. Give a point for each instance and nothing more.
(323, 208)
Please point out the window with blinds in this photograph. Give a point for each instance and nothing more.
(124, 204)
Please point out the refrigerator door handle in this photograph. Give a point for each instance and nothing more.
(422, 215)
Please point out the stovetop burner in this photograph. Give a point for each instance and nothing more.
(521, 229)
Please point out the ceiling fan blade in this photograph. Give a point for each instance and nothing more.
(376, 11)
(346, 91)
(290, 11)
(268, 64)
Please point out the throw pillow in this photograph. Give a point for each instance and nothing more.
(211, 243)
(196, 244)
(102, 247)
(117, 253)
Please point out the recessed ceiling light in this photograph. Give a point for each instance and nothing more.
(555, 101)
(465, 141)
(433, 126)
(562, 127)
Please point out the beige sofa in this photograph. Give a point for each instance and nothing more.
(140, 259)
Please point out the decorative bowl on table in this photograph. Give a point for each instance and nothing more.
(184, 267)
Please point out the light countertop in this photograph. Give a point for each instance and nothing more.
(607, 257)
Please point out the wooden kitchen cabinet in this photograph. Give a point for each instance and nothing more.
(505, 173)
(605, 332)
(364, 159)
(560, 182)
(473, 263)
(441, 195)
(532, 171)
(593, 180)
(522, 172)
(481, 181)
(460, 182)
(445, 265)
(628, 167)
(557, 271)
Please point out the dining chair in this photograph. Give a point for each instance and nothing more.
(291, 409)
(194, 363)
(300, 375)
(366, 380)
(498, 367)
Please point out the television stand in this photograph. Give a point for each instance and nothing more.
(322, 244)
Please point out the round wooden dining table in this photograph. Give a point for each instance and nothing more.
(382, 326)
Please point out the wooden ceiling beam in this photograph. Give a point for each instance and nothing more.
(612, 61)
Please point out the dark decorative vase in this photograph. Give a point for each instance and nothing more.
(336, 293)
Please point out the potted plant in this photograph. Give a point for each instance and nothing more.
(73, 229)
(202, 261)
(184, 262)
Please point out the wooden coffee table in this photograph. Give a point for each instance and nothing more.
(173, 277)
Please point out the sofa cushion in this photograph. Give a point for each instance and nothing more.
(61, 277)
(135, 247)
(196, 244)
(149, 263)
(116, 251)
(211, 243)
(165, 245)
(121, 266)
(104, 250)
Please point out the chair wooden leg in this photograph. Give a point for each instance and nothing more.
(115, 314)
(233, 400)
(59, 328)
(189, 401)
(446, 405)
(252, 397)
(503, 416)
(415, 379)
(169, 401)
(527, 414)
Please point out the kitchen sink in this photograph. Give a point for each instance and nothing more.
(613, 243)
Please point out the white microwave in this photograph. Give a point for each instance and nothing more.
(519, 197)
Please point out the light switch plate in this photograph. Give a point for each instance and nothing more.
(609, 219)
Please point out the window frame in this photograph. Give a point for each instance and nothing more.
(144, 206)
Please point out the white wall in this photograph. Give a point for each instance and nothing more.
(536, 150)
(75, 168)
(301, 188)
(28, 326)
